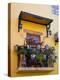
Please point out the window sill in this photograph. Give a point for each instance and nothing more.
(34, 69)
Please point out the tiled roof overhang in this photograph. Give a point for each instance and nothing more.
(34, 18)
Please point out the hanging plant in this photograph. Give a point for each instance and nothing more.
(51, 55)
(21, 49)
(56, 37)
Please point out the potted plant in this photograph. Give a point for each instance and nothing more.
(21, 52)
(56, 38)
(51, 58)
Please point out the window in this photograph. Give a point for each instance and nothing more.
(32, 38)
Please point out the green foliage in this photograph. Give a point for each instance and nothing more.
(39, 54)
(40, 57)
(49, 51)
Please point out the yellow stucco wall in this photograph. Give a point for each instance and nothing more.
(18, 38)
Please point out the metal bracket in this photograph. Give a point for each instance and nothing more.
(47, 29)
(19, 23)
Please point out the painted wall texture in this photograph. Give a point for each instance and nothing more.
(18, 37)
